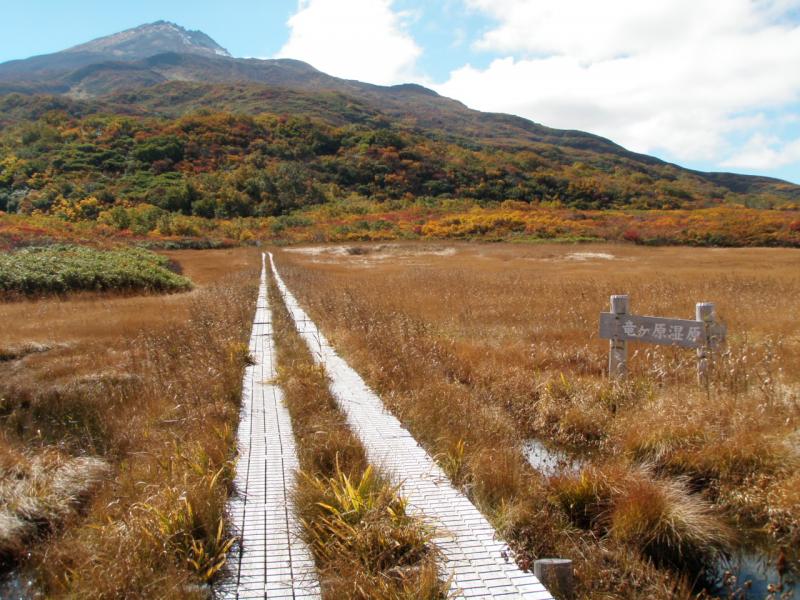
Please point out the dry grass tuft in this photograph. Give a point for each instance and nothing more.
(668, 524)
(41, 492)
(15, 352)
(585, 498)
(496, 474)
(658, 518)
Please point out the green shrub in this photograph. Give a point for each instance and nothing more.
(65, 268)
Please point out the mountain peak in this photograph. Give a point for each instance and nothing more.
(150, 39)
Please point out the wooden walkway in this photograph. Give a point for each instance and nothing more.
(270, 561)
(475, 558)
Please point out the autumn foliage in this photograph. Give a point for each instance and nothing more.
(76, 173)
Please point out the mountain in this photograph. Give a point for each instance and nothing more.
(165, 70)
(47, 72)
(148, 40)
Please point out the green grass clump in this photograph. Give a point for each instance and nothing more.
(66, 268)
(364, 540)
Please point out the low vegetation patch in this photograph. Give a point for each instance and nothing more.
(15, 352)
(361, 529)
(365, 544)
(66, 268)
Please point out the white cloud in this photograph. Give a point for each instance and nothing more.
(354, 39)
(675, 77)
(765, 152)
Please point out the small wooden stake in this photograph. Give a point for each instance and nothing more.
(556, 575)
(618, 348)
(704, 311)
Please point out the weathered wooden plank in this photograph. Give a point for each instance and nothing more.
(658, 330)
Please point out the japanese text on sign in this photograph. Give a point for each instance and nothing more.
(657, 330)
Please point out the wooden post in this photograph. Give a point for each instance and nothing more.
(556, 575)
(704, 311)
(618, 349)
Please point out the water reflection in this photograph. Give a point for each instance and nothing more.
(16, 586)
(547, 461)
(754, 573)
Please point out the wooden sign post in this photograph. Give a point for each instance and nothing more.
(620, 327)
(618, 346)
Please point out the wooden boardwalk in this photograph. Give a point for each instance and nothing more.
(476, 560)
(270, 561)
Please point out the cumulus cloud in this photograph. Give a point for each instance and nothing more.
(354, 39)
(765, 152)
(678, 78)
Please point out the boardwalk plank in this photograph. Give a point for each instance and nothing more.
(271, 561)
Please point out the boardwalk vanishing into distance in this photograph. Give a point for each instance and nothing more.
(477, 561)
(270, 561)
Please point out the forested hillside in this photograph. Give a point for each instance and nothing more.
(227, 165)
(158, 131)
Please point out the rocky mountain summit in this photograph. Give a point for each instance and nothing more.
(151, 39)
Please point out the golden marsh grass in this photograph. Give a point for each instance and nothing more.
(480, 347)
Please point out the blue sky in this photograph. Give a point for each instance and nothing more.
(709, 84)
